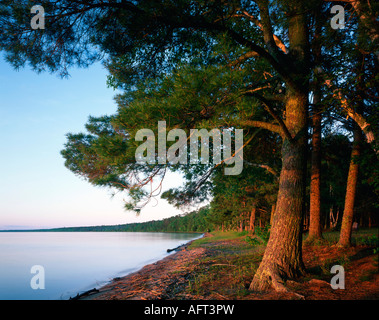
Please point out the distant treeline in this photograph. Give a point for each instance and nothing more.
(195, 221)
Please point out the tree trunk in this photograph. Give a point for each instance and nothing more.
(369, 19)
(352, 181)
(252, 221)
(306, 222)
(272, 214)
(315, 185)
(333, 220)
(283, 258)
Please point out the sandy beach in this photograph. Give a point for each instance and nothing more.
(214, 271)
(159, 280)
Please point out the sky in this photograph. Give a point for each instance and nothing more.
(36, 189)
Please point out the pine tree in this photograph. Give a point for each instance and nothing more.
(212, 63)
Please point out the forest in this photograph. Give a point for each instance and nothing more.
(195, 221)
(299, 77)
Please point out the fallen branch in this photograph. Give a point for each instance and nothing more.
(182, 246)
(84, 294)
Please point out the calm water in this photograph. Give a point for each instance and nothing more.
(75, 261)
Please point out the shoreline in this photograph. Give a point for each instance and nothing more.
(153, 278)
(222, 266)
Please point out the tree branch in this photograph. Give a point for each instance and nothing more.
(201, 24)
(284, 130)
(279, 43)
(264, 166)
(268, 35)
(368, 18)
(358, 118)
(264, 125)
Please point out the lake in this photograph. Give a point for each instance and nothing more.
(67, 263)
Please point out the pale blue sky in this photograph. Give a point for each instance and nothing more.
(36, 190)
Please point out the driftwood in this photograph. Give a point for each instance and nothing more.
(84, 294)
(182, 246)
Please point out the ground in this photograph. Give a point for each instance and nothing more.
(221, 266)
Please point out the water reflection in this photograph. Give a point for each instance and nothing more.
(76, 261)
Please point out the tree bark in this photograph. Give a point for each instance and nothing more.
(352, 181)
(283, 257)
(252, 221)
(272, 214)
(369, 19)
(315, 185)
(240, 228)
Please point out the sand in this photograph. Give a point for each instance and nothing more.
(160, 280)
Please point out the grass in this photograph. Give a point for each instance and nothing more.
(231, 262)
(228, 268)
(365, 237)
(218, 236)
(369, 275)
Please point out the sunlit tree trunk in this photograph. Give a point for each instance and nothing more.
(315, 184)
(283, 255)
(283, 258)
(272, 214)
(252, 221)
(352, 181)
